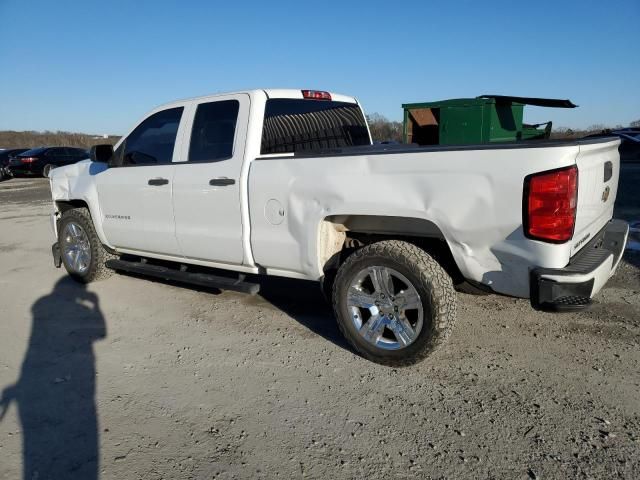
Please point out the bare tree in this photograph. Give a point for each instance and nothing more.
(13, 139)
(383, 129)
(597, 127)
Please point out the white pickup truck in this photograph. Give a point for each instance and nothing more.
(288, 183)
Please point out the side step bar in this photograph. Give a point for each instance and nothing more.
(202, 279)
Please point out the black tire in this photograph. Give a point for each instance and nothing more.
(326, 285)
(98, 255)
(430, 280)
(46, 170)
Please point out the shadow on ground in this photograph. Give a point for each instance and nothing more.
(300, 299)
(304, 302)
(633, 258)
(55, 394)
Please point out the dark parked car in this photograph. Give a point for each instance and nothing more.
(5, 156)
(40, 161)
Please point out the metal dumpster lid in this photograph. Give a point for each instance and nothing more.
(539, 102)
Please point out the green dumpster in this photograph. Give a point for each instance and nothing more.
(484, 119)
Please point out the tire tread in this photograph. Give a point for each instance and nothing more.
(442, 295)
(99, 255)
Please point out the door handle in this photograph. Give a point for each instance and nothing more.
(158, 181)
(221, 182)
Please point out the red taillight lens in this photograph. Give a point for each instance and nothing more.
(550, 205)
(28, 159)
(316, 95)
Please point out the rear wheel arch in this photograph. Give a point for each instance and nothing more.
(388, 225)
(341, 235)
(338, 233)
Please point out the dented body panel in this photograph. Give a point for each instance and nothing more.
(75, 183)
(470, 196)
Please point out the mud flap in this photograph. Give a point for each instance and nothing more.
(57, 258)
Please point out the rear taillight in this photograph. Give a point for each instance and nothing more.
(28, 159)
(550, 200)
(316, 95)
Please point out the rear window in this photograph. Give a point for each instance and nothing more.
(295, 125)
(33, 151)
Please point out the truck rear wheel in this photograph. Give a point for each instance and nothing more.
(394, 303)
(83, 255)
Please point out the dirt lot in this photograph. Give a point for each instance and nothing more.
(131, 378)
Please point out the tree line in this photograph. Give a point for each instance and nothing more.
(32, 139)
(382, 130)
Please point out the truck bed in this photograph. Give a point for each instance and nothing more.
(382, 149)
(471, 196)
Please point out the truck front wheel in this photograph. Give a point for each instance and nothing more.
(394, 303)
(83, 255)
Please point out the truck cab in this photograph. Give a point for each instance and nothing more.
(176, 184)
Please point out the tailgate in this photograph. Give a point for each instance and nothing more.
(598, 170)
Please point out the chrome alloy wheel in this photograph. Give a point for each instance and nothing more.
(76, 248)
(385, 307)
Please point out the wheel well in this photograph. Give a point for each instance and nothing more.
(64, 205)
(351, 232)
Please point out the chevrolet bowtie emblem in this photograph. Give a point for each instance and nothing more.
(605, 194)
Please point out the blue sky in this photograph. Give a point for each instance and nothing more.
(96, 67)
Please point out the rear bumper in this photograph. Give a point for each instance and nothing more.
(573, 287)
(20, 170)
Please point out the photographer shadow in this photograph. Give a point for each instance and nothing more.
(55, 394)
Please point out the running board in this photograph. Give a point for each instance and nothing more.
(202, 279)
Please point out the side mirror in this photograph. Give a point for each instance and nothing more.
(101, 153)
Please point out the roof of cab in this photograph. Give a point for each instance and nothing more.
(269, 92)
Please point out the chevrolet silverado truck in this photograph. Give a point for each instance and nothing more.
(221, 189)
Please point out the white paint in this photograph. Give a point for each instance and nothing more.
(208, 219)
(593, 213)
(473, 196)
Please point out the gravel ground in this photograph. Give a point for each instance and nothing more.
(131, 378)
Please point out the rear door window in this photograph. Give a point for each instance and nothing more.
(294, 125)
(214, 128)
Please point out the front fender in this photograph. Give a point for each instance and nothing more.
(75, 185)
